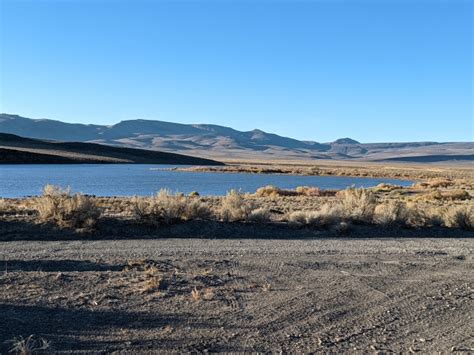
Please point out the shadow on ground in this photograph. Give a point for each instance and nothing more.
(64, 327)
(58, 265)
(111, 228)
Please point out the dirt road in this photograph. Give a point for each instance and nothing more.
(240, 295)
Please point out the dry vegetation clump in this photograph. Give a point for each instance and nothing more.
(152, 284)
(459, 217)
(167, 208)
(435, 183)
(300, 217)
(235, 208)
(29, 345)
(273, 191)
(327, 215)
(358, 205)
(311, 191)
(260, 215)
(4, 206)
(314, 191)
(385, 187)
(446, 195)
(196, 294)
(391, 213)
(58, 206)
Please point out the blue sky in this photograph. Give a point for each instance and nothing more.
(386, 70)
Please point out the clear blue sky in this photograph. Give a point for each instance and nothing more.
(381, 70)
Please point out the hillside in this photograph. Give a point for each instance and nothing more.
(223, 142)
(19, 150)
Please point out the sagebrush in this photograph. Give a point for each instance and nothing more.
(59, 206)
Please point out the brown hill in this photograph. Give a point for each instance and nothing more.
(19, 150)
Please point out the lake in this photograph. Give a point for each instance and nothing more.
(143, 179)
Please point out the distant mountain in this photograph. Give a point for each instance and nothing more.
(347, 141)
(224, 142)
(19, 150)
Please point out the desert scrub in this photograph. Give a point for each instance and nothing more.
(311, 191)
(234, 207)
(358, 205)
(459, 217)
(4, 206)
(168, 208)
(327, 215)
(57, 205)
(390, 213)
(435, 183)
(385, 187)
(447, 195)
(273, 191)
(260, 215)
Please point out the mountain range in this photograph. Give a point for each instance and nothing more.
(218, 142)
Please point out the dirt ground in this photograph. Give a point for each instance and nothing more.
(321, 295)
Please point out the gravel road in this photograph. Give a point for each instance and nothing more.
(322, 295)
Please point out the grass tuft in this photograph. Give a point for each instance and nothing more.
(358, 205)
(58, 206)
(29, 345)
(459, 217)
(234, 207)
(167, 208)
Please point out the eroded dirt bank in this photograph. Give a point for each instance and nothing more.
(239, 295)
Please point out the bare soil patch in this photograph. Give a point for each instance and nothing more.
(197, 295)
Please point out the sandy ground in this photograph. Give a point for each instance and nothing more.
(323, 295)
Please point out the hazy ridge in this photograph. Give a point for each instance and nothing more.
(224, 142)
(19, 150)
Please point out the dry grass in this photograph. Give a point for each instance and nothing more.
(437, 176)
(208, 294)
(260, 215)
(4, 206)
(384, 187)
(385, 205)
(358, 205)
(459, 217)
(391, 213)
(235, 208)
(168, 208)
(152, 284)
(196, 295)
(29, 345)
(447, 195)
(328, 214)
(435, 183)
(58, 206)
(313, 191)
(274, 192)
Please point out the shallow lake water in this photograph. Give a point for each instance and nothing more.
(145, 179)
